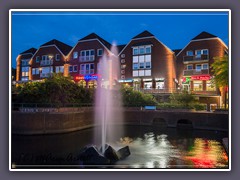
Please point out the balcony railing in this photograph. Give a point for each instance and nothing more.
(86, 58)
(45, 75)
(195, 72)
(203, 57)
(46, 62)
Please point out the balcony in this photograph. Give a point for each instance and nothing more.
(197, 58)
(86, 58)
(46, 62)
(45, 75)
(195, 72)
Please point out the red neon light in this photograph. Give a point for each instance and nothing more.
(203, 77)
(87, 77)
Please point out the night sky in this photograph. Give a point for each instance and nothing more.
(174, 29)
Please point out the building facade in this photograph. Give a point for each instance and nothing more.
(23, 65)
(194, 67)
(147, 64)
(48, 59)
(84, 57)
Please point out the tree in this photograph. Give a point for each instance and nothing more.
(220, 72)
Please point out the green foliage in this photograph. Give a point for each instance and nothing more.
(57, 90)
(183, 98)
(220, 70)
(199, 107)
(136, 98)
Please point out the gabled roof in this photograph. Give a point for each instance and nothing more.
(29, 51)
(204, 35)
(176, 51)
(95, 36)
(64, 48)
(143, 43)
(143, 34)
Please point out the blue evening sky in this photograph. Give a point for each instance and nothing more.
(174, 29)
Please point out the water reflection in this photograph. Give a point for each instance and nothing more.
(150, 148)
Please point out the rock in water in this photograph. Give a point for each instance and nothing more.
(91, 156)
(111, 154)
(123, 152)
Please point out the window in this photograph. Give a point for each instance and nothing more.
(122, 60)
(37, 59)
(205, 66)
(57, 57)
(24, 78)
(198, 53)
(25, 62)
(148, 49)
(141, 50)
(25, 71)
(197, 85)
(135, 73)
(147, 58)
(198, 67)
(147, 72)
(100, 52)
(45, 57)
(75, 68)
(205, 51)
(135, 65)
(189, 53)
(59, 69)
(75, 55)
(141, 73)
(189, 67)
(135, 51)
(37, 70)
(141, 58)
(70, 68)
(160, 85)
(210, 86)
(148, 64)
(141, 65)
(135, 59)
(122, 55)
(87, 55)
(147, 85)
(87, 69)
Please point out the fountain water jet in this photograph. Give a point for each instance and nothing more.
(108, 103)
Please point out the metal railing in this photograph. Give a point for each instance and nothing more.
(195, 72)
(203, 57)
(87, 58)
(46, 62)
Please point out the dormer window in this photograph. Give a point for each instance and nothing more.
(189, 53)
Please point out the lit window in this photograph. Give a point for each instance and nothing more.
(59, 69)
(198, 67)
(141, 65)
(75, 55)
(189, 53)
(37, 59)
(135, 51)
(135, 59)
(141, 73)
(148, 49)
(57, 57)
(37, 70)
(141, 50)
(198, 53)
(100, 52)
(210, 86)
(135, 65)
(147, 72)
(141, 58)
(148, 64)
(75, 68)
(70, 68)
(205, 66)
(189, 67)
(147, 58)
(205, 51)
(33, 71)
(197, 85)
(135, 73)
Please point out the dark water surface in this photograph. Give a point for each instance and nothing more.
(151, 147)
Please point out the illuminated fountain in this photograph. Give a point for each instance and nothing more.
(108, 112)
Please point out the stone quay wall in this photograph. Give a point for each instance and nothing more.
(63, 121)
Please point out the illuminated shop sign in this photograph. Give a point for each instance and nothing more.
(202, 78)
(147, 79)
(186, 80)
(125, 81)
(87, 77)
(159, 79)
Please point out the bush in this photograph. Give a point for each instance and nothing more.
(132, 97)
(199, 107)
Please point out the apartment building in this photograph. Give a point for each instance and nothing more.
(48, 59)
(194, 67)
(147, 64)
